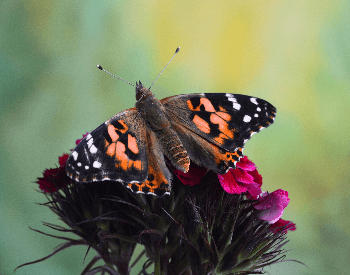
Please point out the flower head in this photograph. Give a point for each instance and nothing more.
(210, 224)
(54, 179)
(245, 178)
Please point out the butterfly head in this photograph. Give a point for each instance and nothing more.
(142, 92)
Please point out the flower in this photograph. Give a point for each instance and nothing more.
(55, 179)
(194, 175)
(63, 159)
(271, 205)
(52, 181)
(245, 178)
(207, 225)
(282, 226)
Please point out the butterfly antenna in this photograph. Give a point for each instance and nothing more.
(177, 50)
(100, 67)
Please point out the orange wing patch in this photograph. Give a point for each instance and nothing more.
(225, 159)
(202, 102)
(112, 132)
(132, 145)
(117, 149)
(201, 124)
(224, 115)
(219, 117)
(155, 180)
(223, 125)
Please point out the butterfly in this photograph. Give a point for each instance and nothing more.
(209, 129)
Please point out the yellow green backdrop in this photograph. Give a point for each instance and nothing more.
(295, 54)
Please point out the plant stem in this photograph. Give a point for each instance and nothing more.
(157, 269)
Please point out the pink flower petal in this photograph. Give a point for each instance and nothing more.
(242, 179)
(272, 205)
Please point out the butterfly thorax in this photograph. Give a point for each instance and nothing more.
(154, 114)
(151, 109)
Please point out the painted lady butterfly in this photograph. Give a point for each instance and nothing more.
(208, 129)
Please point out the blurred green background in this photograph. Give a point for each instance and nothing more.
(295, 54)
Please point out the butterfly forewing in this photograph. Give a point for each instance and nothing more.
(116, 150)
(227, 120)
(215, 127)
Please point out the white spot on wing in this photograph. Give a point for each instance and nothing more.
(258, 109)
(89, 143)
(97, 164)
(256, 115)
(93, 149)
(79, 164)
(75, 155)
(253, 100)
(86, 167)
(247, 118)
(235, 105)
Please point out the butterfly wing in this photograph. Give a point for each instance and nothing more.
(159, 178)
(116, 151)
(122, 149)
(214, 127)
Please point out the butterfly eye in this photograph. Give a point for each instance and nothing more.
(139, 91)
(139, 95)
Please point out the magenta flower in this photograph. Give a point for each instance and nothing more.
(245, 178)
(271, 205)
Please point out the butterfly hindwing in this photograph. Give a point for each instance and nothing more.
(207, 154)
(116, 150)
(159, 178)
(214, 127)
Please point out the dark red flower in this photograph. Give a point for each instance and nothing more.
(53, 180)
(63, 159)
(245, 178)
(282, 225)
(194, 175)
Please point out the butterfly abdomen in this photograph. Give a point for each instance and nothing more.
(173, 148)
